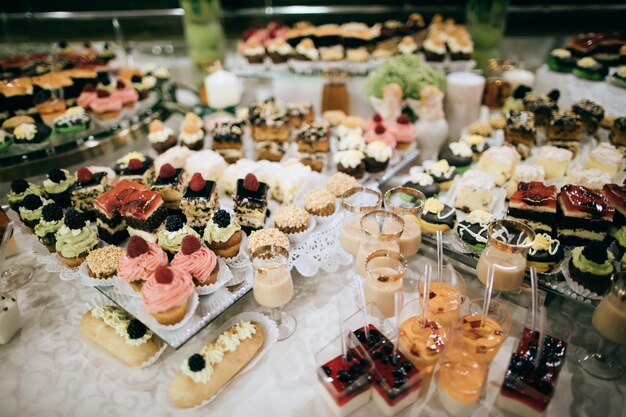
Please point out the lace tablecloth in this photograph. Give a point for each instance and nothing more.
(49, 369)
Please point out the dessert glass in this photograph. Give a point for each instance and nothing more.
(507, 247)
(14, 276)
(482, 339)
(273, 286)
(609, 319)
(407, 203)
(446, 297)
(385, 270)
(380, 229)
(356, 202)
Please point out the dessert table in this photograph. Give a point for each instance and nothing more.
(50, 369)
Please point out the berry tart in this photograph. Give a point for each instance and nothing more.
(199, 261)
(138, 264)
(75, 239)
(223, 234)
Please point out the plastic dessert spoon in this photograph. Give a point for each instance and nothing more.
(342, 330)
(439, 256)
(428, 272)
(398, 301)
(361, 300)
(488, 290)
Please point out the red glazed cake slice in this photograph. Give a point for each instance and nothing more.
(534, 203)
(111, 226)
(584, 215)
(616, 195)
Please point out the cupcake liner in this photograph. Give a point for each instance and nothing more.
(324, 220)
(146, 317)
(89, 281)
(296, 238)
(241, 261)
(223, 276)
(102, 300)
(271, 337)
(122, 287)
(575, 286)
(54, 264)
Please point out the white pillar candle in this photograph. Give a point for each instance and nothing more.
(464, 93)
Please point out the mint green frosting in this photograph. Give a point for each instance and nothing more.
(171, 241)
(15, 198)
(43, 227)
(585, 265)
(623, 262)
(32, 215)
(57, 188)
(620, 236)
(214, 233)
(71, 243)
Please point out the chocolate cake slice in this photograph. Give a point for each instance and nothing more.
(169, 184)
(616, 195)
(543, 107)
(88, 186)
(199, 202)
(227, 139)
(251, 203)
(520, 131)
(584, 215)
(111, 226)
(534, 204)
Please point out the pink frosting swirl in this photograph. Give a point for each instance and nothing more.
(159, 297)
(85, 98)
(404, 133)
(106, 104)
(372, 136)
(199, 264)
(143, 266)
(126, 95)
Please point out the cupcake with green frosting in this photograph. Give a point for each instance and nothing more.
(592, 267)
(223, 234)
(75, 239)
(170, 237)
(20, 188)
(30, 209)
(57, 186)
(51, 221)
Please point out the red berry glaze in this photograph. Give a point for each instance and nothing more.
(197, 183)
(190, 244)
(137, 246)
(163, 275)
(250, 183)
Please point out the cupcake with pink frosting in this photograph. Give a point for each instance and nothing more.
(125, 93)
(371, 124)
(199, 261)
(166, 294)
(380, 134)
(140, 261)
(87, 96)
(105, 106)
(404, 132)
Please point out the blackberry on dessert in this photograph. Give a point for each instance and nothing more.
(30, 209)
(251, 203)
(87, 187)
(473, 231)
(57, 186)
(51, 221)
(20, 188)
(534, 204)
(223, 234)
(169, 183)
(585, 215)
(592, 267)
(199, 201)
(170, 238)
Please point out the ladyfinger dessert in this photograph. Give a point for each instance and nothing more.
(203, 374)
(120, 335)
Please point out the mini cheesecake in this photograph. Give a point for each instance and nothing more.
(554, 161)
(199, 202)
(88, 186)
(475, 191)
(534, 204)
(473, 230)
(251, 203)
(584, 216)
(546, 253)
(169, 183)
(529, 385)
(499, 162)
(437, 216)
(605, 157)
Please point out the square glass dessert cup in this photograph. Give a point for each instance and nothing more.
(533, 369)
(344, 381)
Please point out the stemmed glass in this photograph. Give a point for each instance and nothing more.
(609, 319)
(273, 286)
(13, 276)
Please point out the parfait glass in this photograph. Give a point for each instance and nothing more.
(506, 250)
(609, 320)
(385, 270)
(380, 229)
(273, 286)
(356, 202)
(446, 296)
(407, 203)
(13, 277)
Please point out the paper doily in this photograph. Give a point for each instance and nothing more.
(54, 264)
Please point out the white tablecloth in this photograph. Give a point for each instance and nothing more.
(49, 369)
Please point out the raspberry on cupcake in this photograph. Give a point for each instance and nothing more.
(223, 234)
(166, 294)
(404, 131)
(199, 261)
(75, 239)
(170, 237)
(140, 261)
(380, 134)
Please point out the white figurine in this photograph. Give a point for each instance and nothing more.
(390, 105)
(432, 127)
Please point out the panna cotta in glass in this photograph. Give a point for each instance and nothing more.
(445, 297)
(356, 202)
(506, 251)
(408, 203)
(460, 383)
(385, 270)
